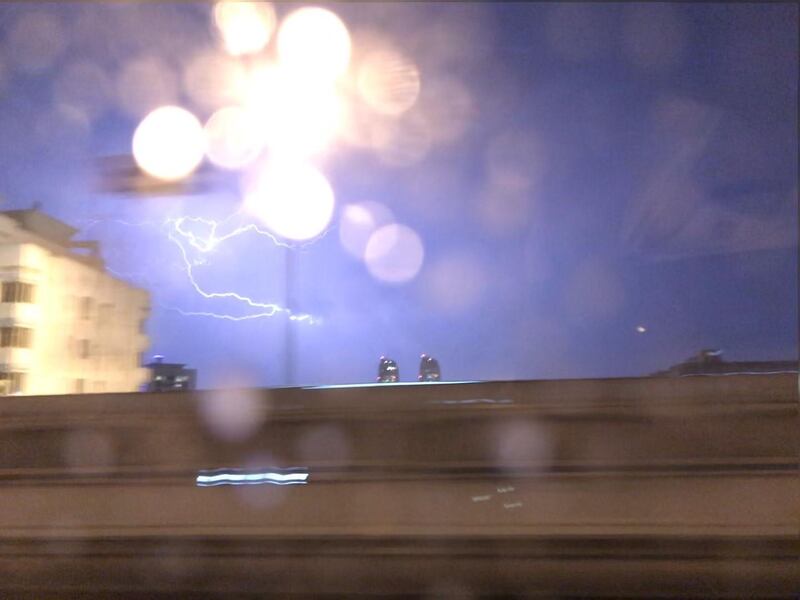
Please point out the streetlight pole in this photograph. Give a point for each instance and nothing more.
(290, 307)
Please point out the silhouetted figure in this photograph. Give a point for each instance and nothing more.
(429, 369)
(388, 371)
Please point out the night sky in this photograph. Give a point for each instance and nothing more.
(611, 188)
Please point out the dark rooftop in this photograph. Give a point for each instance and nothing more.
(43, 225)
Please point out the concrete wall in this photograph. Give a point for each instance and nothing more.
(606, 488)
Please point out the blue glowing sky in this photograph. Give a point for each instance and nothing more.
(656, 146)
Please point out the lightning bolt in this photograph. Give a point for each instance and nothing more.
(181, 236)
(208, 244)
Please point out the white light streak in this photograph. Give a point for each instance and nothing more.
(233, 477)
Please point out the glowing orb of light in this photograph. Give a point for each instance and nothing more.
(388, 82)
(641, 329)
(294, 200)
(394, 254)
(246, 27)
(297, 117)
(232, 140)
(313, 42)
(358, 222)
(169, 143)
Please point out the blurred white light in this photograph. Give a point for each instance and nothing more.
(232, 140)
(294, 200)
(297, 117)
(169, 143)
(357, 223)
(388, 82)
(641, 328)
(394, 254)
(246, 27)
(313, 42)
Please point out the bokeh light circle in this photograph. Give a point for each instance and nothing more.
(294, 200)
(232, 140)
(212, 80)
(313, 42)
(295, 117)
(169, 143)
(246, 27)
(394, 254)
(388, 82)
(357, 222)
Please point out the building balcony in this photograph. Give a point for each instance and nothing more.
(16, 359)
(20, 313)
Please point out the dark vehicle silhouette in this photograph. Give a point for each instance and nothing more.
(388, 371)
(429, 369)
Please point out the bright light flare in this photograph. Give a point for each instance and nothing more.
(394, 254)
(296, 117)
(246, 27)
(232, 138)
(294, 200)
(169, 143)
(388, 82)
(314, 43)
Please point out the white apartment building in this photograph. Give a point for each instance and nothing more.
(66, 325)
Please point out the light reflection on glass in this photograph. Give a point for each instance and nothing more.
(293, 476)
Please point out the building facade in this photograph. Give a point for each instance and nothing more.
(66, 325)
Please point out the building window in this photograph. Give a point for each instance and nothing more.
(15, 337)
(85, 307)
(17, 291)
(84, 348)
(80, 384)
(11, 383)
